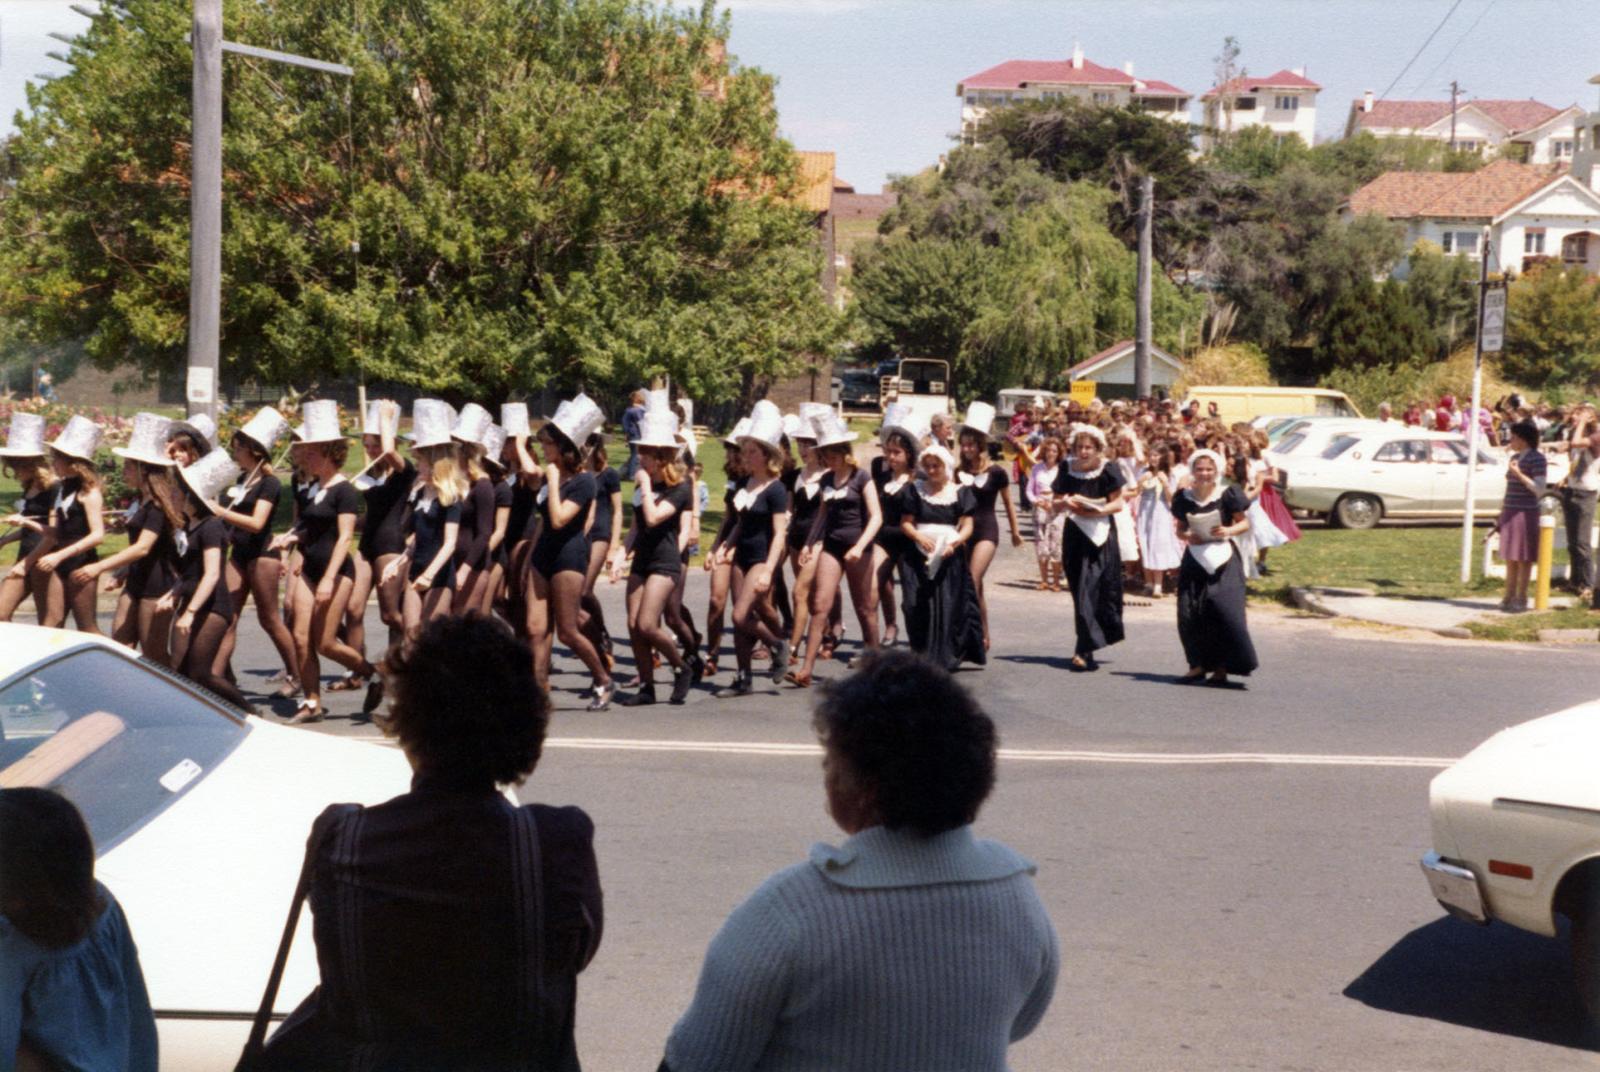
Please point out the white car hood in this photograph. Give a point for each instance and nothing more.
(1550, 760)
(207, 884)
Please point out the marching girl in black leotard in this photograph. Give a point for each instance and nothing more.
(719, 556)
(253, 570)
(679, 618)
(323, 532)
(77, 526)
(385, 486)
(432, 520)
(842, 540)
(24, 460)
(524, 517)
(758, 541)
(662, 516)
(477, 513)
(605, 532)
(892, 471)
(198, 597)
(559, 562)
(805, 499)
(988, 482)
(494, 442)
(1090, 491)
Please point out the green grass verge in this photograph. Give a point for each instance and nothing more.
(1525, 627)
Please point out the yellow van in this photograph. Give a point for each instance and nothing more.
(1247, 403)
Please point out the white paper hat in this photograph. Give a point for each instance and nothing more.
(686, 439)
(740, 428)
(766, 426)
(430, 423)
(148, 441)
(578, 419)
(199, 426)
(797, 427)
(25, 438)
(810, 411)
(265, 428)
(471, 423)
(210, 476)
(494, 441)
(831, 431)
(901, 417)
(514, 418)
(319, 422)
(78, 438)
(686, 408)
(658, 399)
(980, 418)
(657, 428)
(372, 420)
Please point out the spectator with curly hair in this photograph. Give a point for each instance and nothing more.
(911, 945)
(451, 924)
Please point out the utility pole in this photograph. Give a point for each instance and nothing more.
(1491, 339)
(205, 211)
(1455, 93)
(1141, 342)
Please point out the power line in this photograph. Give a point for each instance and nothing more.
(1429, 76)
(1421, 50)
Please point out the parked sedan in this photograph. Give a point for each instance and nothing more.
(1516, 835)
(199, 817)
(1363, 474)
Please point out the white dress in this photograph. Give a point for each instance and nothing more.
(1158, 537)
(1263, 533)
(1128, 542)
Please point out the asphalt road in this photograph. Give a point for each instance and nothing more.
(1261, 908)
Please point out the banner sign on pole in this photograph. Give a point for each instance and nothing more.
(1494, 318)
(201, 386)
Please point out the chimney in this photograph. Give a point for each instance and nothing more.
(1366, 102)
(1127, 68)
(1301, 71)
(1077, 56)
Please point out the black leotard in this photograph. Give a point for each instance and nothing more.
(477, 525)
(847, 512)
(889, 537)
(150, 577)
(427, 520)
(655, 547)
(382, 532)
(607, 483)
(35, 506)
(242, 499)
(804, 501)
(209, 533)
(755, 522)
(72, 524)
(565, 549)
(319, 529)
(987, 488)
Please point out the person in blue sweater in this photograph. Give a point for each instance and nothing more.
(912, 945)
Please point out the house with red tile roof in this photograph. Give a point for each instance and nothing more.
(1532, 212)
(1545, 132)
(1284, 102)
(1015, 81)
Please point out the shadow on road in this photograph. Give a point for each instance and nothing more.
(1493, 978)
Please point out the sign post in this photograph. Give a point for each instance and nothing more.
(1491, 339)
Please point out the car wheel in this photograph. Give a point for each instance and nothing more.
(1357, 512)
(1586, 961)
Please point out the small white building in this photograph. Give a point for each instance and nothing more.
(1285, 103)
(1533, 212)
(1077, 78)
(1112, 370)
(1544, 132)
(1586, 147)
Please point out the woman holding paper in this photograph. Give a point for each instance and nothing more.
(1211, 588)
(1089, 492)
(940, 601)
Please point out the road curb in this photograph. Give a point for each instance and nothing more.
(1568, 636)
(1306, 599)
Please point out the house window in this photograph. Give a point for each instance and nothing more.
(1575, 248)
(1561, 148)
(1245, 104)
(1103, 98)
(1286, 104)
(1462, 242)
(1533, 240)
(972, 98)
(1467, 145)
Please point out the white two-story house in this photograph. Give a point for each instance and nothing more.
(1533, 212)
(1285, 103)
(1545, 133)
(1077, 78)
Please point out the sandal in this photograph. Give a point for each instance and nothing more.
(308, 711)
(287, 690)
(829, 645)
(710, 667)
(799, 681)
(349, 683)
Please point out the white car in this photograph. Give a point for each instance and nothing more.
(1516, 834)
(1363, 474)
(1307, 437)
(199, 816)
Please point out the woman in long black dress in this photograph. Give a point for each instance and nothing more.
(989, 483)
(940, 601)
(1090, 492)
(1211, 588)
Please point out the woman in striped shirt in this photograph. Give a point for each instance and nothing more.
(1518, 523)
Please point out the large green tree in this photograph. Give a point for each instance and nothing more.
(1553, 328)
(540, 191)
(1373, 324)
(1444, 289)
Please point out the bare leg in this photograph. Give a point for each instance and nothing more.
(864, 595)
(982, 555)
(716, 608)
(355, 612)
(125, 620)
(301, 599)
(264, 575)
(55, 601)
(82, 599)
(566, 593)
(647, 599)
(325, 627)
(155, 631)
(538, 619)
(389, 593)
(593, 619)
(804, 584)
(750, 610)
(885, 567)
(824, 590)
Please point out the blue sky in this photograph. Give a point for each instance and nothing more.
(874, 80)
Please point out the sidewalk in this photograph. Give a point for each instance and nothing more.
(1446, 617)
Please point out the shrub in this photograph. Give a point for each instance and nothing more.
(1239, 364)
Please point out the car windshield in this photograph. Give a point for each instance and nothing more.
(117, 738)
(1339, 445)
(1287, 444)
(923, 377)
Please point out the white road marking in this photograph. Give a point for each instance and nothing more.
(1033, 755)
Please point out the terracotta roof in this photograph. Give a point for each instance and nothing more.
(1118, 349)
(1014, 74)
(815, 193)
(1284, 79)
(862, 206)
(1515, 115)
(1481, 194)
(1152, 87)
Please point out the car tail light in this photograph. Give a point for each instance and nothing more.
(1510, 870)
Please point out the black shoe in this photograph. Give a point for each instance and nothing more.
(374, 696)
(739, 687)
(697, 668)
(602, 697)
(643, 698)
(682, 682)
(780, 664)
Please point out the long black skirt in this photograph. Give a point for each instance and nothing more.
(1211, 620)
(942, 616)
(1094, 574)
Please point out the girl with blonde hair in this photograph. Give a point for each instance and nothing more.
(432, 524)
(77, 527)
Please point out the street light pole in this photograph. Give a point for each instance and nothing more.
(1477, 401)
(205, 211)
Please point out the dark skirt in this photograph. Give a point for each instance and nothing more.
(1094, 574)
(942, 616)
(1519, 535)
(1211, 618)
